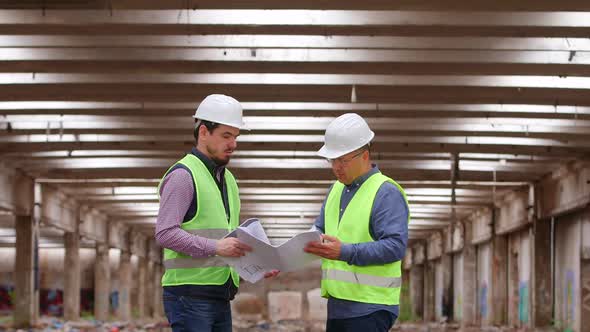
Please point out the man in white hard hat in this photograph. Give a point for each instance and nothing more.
(365, 224)
(199, 204)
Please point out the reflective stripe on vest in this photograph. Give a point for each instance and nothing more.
(362, 279)
(211, 233)
(190, 262)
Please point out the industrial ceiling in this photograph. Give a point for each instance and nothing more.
(468, 99)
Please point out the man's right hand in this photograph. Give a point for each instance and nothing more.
(231, 247)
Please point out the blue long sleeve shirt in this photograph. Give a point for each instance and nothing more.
(388, 226)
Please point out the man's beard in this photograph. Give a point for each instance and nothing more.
(218, 161)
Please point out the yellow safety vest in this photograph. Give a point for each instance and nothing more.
(210, 221)
(369, 284)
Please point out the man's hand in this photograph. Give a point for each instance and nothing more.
(271, 274)
(329, 247)
(231, 247)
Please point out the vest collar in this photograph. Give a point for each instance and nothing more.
(209, 163)
(362, 178)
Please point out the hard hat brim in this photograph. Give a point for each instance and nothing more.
(243, 126)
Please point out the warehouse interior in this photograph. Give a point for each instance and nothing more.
(481, 112)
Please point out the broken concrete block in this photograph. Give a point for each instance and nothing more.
(318, 306)
(284, 305)
(247, 306)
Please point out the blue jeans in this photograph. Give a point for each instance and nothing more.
(379, 321)
(186, 314)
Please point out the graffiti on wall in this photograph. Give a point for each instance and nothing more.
(6, 298)
(523, 301)
(586, 293)
(483, 300)
(51, 302)
(459, 308)
(569, 296)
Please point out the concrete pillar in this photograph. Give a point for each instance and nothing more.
(157, 294)
(469, 278)
(429, 291)
(124, 311)
(142, 287)
(102, 283)
(447, 286)
(149, 291)
(499, 278)
(72, 277)
(519, 276)
(405, 300)
(26, 292)
(542, 274)
(585, 278)
(417, 290)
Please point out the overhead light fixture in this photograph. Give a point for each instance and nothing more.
(353, 94)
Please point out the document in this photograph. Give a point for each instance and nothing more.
(264, 257)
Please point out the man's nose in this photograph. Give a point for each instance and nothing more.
(233, 144)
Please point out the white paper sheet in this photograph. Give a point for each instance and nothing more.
(265, 257)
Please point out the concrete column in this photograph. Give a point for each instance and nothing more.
(417, 290)
(102, 283)
(499, 285)
(142, 286)
(447, 284)
(72, 276)
(469, 279)
(542, 274)
(429, 291)
(149, 291)
(124, 312)
(157, 294)
(585, 278)
(26, 293)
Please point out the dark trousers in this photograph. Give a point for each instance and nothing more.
(186, 314)
(379, 321)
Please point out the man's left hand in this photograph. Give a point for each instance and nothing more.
(329, 247)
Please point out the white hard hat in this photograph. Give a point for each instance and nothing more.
(221, 109)
(345, 134)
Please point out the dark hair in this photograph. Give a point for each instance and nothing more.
(365, 147)
(208, 124)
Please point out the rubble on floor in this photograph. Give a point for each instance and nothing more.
(241, 323)
(50, 324)
(278, 326)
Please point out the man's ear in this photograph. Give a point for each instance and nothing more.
(203, 132)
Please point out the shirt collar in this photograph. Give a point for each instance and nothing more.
(362, 178)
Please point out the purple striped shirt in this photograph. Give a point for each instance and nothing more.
(176, 196)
